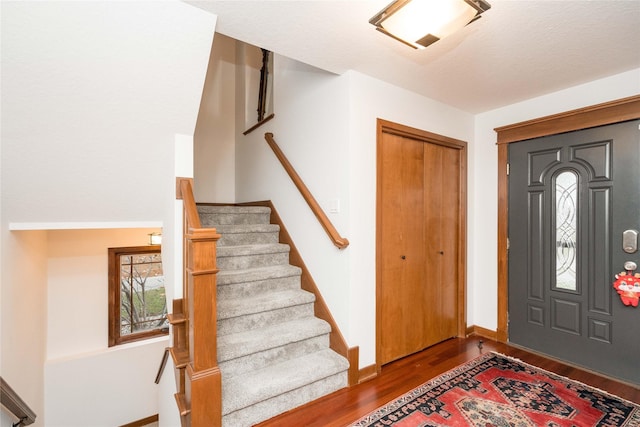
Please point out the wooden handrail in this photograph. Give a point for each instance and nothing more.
(14, 403)
(163, 364)
(339, 241)
(185, 192)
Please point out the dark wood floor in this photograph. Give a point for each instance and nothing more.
(348, 405)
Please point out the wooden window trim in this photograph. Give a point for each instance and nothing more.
(596, 115)
(114, 297)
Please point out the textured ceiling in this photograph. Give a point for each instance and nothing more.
(518, 50)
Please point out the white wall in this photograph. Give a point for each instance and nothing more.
(105, 388)
(371, 99)
(484, 178)
(78, 301)
(326, 126)
(311, 127)
(93, 95)
(78, 358)
(24, 315)
(214, 139)
(172, 244)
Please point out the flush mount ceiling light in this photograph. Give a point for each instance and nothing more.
(419, 23)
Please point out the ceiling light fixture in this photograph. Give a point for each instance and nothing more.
(419, 23)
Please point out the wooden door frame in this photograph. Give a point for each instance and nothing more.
(384, 126)
(597, 115)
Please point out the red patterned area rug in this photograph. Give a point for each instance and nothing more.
(496, 390)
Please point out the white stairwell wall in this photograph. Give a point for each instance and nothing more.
(325, 125)
(93, 94)
(215, 133)
(79, 364)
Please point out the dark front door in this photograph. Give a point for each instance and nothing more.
(571, 197)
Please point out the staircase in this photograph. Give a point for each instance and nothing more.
(273, 352)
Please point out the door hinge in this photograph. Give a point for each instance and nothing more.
(508, 243)
(508, 168)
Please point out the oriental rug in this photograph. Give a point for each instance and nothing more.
(496, 390)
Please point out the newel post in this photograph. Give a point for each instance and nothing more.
(204, 390)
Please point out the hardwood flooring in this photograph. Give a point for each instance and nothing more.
(348, 405)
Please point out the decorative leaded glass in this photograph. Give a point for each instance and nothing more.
(566, 225)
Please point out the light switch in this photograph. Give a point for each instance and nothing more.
(334, 205)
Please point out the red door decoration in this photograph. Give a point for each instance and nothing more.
(628, 287)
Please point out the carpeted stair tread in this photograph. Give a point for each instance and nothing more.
(217, 216)
(235, 307)
(228, 277)
(247, 228)
(249, 342)
(253, 387)
(252, 256)
(269, 408)
(225, 209)
(261, 359)
(243, 283)
(248, 234)
(262, 249)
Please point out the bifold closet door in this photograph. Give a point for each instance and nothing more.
(418, 225)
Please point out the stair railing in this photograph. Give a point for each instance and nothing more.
(14, 404)
(163, 364)
(194, 350)
(339, 241)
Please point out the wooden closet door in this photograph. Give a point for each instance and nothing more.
(402, 299)
(442, 204)
(419, 214)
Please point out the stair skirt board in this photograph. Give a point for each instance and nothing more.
(273, 353)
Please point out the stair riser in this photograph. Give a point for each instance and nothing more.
(212, 220)
(263, 319)
(252, 261)
(235, 239)
(240, 290)
(265, 358)
(269, 408)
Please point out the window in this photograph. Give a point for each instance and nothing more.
(137, 303)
